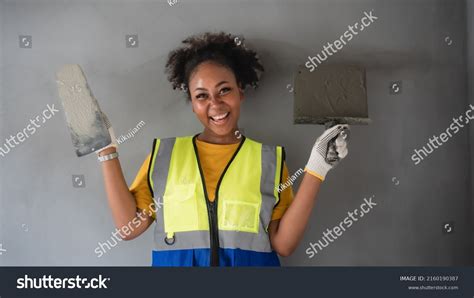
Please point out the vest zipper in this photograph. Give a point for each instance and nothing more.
(212, 206)
(214, 232)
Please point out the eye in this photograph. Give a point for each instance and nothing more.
(225, 90)
(201, 96)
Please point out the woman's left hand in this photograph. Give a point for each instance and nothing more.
(328, 150)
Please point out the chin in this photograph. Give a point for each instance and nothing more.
(220, 131)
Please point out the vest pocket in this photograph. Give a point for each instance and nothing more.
(180, 208)
(240, 216)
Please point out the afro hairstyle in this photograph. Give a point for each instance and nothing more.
(221, 48)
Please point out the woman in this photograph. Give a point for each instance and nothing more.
(218, 198)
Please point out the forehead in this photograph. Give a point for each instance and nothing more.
(211, 73)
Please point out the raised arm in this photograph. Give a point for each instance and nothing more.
(121, 201)
(286, 233)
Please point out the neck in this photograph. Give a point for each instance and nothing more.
(210, 137)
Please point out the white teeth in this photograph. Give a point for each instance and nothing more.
(219, 117)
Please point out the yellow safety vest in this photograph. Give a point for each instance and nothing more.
(231, 231)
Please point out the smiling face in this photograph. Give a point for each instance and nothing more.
(216, 99)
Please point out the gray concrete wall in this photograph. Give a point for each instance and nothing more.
(46, 221)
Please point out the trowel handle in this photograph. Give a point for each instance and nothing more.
(331, 155)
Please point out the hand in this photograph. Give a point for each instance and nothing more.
(328, 150)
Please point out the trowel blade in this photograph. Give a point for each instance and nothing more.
(83, 115)
(331, 93)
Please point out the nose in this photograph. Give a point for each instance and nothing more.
(215, 98)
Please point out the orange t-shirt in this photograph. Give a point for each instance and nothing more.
(213, 159)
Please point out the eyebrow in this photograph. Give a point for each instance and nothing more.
(218, 84)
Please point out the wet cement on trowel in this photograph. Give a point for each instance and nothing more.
(83, 115)
(331, 93)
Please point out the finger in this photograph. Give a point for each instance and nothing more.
(346, 133)
(340, 143)
(341, 140)
(343, 152)
(341, 149)
(330, 133)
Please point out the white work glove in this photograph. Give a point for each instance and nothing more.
(328, 150)
(111, 132)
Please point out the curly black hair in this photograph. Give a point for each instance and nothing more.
(222, 48)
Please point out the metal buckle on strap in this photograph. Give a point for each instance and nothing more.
(170, 238)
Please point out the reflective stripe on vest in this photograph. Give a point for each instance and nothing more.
(245, 196)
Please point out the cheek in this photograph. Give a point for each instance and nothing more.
(200, 110)
(235, 106)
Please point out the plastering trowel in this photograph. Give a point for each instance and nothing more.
(331, 95)
(87, 124)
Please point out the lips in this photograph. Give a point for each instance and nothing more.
(220, 118)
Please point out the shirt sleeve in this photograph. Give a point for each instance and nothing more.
(141, 191)
(286, 197)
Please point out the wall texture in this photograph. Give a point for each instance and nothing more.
(44, 220)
